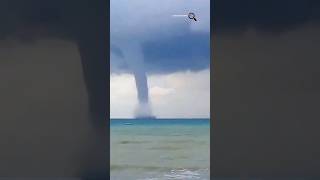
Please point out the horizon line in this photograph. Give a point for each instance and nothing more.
(165, 118)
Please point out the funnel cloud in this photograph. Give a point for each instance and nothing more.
(135, 59)
(150, 41)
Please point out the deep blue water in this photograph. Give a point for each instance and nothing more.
(160, 149)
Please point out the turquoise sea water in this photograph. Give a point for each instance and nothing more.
(160, 149)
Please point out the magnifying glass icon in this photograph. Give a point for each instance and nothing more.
(192, 16)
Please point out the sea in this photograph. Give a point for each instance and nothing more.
(160, 149)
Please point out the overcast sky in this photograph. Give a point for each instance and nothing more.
(176, 55)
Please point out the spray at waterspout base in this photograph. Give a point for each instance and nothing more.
(143, 111)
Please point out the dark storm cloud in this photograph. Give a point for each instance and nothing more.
(266, 15)
(168, 43)
(187, 52)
